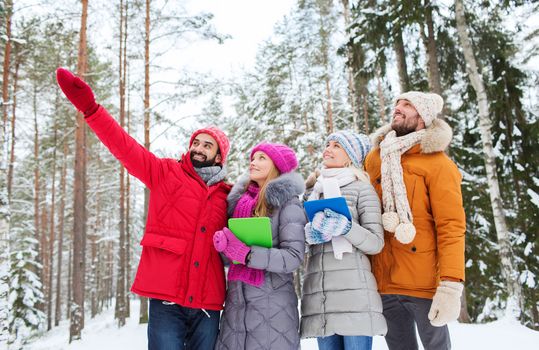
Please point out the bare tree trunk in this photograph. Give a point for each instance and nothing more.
(381, 98)
(143, 318)
(127, 204)
(52, 231)
(61, 214)
(120, 282)
(329, 108)
(5, 71)
(398, 46)
(433, 69)
(45, 244)
(510, 273)
(93, 282)
(70, 278)
(464, 316)
(110, 294)
(79, 217)
(5, 195)
(351, 85)
(400, 53)
(365, 111)
(38, 233)
(12, 146)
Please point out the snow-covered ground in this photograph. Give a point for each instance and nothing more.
(102, 333)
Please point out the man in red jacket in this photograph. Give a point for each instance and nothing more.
(179, 270)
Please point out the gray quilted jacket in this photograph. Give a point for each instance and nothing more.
(340, 296)
(267, 317)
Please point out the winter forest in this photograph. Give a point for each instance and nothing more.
(71, 218)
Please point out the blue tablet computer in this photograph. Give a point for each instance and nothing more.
(337, 204)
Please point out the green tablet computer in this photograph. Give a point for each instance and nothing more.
(252, 231)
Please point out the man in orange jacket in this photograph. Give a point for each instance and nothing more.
(421, 267)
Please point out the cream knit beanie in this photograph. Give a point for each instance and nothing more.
(428, 105)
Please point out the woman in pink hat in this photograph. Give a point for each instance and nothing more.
(261, 307)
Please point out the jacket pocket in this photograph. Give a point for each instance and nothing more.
(160, 264)
(414, 264)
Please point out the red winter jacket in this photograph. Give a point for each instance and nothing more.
(178, 261)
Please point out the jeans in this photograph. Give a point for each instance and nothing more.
(339, 342)
(174, 327)
(403, 313)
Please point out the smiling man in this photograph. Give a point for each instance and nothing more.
(421, 267)
(179, 268)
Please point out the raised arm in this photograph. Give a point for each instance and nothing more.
(138, 161)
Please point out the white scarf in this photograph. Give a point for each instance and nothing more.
(329, 183)
(397, 215)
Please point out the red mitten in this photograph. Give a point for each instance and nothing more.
(77, 91)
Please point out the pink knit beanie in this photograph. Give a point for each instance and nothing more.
(282, 156)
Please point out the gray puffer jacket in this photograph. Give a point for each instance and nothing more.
(267, 317)
(340, 296)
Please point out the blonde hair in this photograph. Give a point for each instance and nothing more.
(262, 208)
(360, 174)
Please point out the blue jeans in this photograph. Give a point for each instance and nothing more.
(174, 327)
(340, 342)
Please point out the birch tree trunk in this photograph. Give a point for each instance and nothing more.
(79, 217)
(510, 273)
(143, 318)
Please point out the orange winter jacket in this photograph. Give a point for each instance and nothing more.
(432, 183)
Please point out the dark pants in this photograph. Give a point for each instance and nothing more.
(402, 314)
(174, 327)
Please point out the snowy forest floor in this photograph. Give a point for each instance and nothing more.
(102, 333)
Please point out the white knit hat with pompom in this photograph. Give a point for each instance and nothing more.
(428, 105)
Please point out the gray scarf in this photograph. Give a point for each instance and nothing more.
(211, 174)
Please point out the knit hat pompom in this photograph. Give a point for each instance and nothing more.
(405, 233)
(428, 105)
(355, 145)
(219, 136)
(390, 220)
(282, 156)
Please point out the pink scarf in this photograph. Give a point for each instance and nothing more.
(244, 209)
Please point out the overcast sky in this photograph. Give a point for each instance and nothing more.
(248, 22)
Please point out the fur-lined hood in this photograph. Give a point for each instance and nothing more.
(278, 192)
(436, 139)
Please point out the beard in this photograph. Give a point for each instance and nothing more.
(201, 163)
(405, 126)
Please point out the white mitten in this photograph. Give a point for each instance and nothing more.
(445, 306)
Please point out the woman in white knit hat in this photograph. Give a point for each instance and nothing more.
(340, 304)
